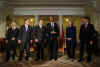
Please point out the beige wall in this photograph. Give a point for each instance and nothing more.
(92, 12)
(4, 12)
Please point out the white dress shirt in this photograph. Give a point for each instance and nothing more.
(26, 26)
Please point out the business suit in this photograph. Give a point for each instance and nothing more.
(12, 43)
(95, 43)
(71, 44)
(86, 35)
(53, 41)
(40, 35)
(25, 36)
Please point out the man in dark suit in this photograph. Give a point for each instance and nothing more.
(40, 36)
(86, 38)
(53, 33)
(11, 40)
(25, 38)
(95, 43)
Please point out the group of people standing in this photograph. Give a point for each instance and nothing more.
(40, 34)
(87, 37)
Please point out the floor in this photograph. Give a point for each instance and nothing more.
(61, 62)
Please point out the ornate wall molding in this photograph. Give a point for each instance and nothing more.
(3, 3)
(49, 11)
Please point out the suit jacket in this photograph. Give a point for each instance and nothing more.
(40, 33)
(71, 33)
(86, 34)
(25, 36)
(50, 29)
(12, 33)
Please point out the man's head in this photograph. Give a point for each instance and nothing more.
(27, 21)
(13, 24)
(86, 20)
(51, 19)
(41, 22)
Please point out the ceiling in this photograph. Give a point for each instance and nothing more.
(19, 3)
(29, 3)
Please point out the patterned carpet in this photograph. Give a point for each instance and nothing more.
(61, 62)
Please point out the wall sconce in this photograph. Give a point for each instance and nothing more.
(67, 19)
(31, 19)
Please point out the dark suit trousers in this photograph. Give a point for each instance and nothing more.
(70, 49)
(53, 46)
(88, 50)
(25, 46)
(40, 50)
(11, 46)
(95, 48)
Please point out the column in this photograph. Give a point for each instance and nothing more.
(60, 23)
(36, 19)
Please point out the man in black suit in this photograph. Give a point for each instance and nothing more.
(39, 37)
(11, 40)
(53, 33)
(25, 38)
(86, 38)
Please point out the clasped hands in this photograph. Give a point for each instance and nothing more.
(53, 32)
(69, 38)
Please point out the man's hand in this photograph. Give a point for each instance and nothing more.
(91, 42)
(19, 41)
(69, 38)
(78, 41)
(13, 38)
(53, 32)
(36, 40)
(31, 41)
(6, 41)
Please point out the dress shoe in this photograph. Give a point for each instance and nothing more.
(79, 60)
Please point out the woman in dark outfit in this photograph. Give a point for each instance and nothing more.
(11, 40)
(71, 40)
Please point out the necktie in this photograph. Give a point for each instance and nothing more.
(85, 26)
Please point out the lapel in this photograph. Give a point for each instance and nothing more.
(50, 24)
(24, 28)
(86, 28)
(39, 27)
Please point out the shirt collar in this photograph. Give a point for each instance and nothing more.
(40, 25)
(26, 25)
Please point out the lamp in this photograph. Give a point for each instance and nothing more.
(67, 19)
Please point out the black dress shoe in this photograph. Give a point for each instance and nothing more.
(7, 60)
(20, 59)
(79, 60)
(42, 59)
(88, 61)
(27, 59)
(13, 58)
(55, 59)
(36, 59)
(50, 58)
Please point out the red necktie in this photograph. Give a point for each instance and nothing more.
(85, 26)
